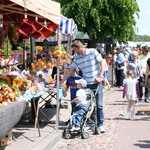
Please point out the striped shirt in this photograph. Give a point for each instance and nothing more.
(89, 64)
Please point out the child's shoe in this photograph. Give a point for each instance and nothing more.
(73, 128)
(77, 128)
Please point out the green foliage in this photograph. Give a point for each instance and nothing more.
(142, 38)
(20, 46)
(7, 51)
(103, 18)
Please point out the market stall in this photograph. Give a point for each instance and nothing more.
(30, 19)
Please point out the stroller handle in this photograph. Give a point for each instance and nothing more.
(95, 90)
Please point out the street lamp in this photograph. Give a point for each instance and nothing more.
(136, 33)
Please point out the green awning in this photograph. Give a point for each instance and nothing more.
(82, 36)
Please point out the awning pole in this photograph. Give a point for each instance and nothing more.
(58, 74)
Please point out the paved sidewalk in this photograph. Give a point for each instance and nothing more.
(120, 134)
(26, 137)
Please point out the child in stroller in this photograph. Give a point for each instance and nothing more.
(83, 118)
(81, 105)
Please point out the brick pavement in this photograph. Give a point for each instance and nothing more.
(120, 134)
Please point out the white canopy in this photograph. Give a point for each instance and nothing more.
(47, 9)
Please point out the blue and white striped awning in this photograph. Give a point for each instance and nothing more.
(67, 26)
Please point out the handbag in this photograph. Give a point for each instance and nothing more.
(141, 81)
(121, 65)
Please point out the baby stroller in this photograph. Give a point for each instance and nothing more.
(89, 119)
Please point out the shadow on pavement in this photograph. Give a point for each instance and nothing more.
(143, 144)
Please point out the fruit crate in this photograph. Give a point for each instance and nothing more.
(7, 139)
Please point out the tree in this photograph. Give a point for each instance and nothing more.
(7, 50)
(103, 19)
(142, 38)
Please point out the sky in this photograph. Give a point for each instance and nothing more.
(143, 23)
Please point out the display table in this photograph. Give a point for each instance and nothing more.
(10, 116)
(36, 100)
(52, 93)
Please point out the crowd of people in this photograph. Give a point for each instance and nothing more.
(131, 74)
(129, 69)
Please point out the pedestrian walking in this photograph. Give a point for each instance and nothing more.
(147, 78)
(92, 67)
(136, 66)
(106, 83)
(120, 68)
(130, 92)
(144, 57)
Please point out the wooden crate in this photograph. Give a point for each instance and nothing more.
(143, 111)
(7, 139)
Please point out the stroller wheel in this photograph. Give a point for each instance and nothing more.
(67, 134)
(84, 135)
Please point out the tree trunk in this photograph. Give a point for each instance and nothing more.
(108, 48)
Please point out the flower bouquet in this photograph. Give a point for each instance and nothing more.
(59, 52)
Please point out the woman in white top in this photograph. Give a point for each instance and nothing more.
(130, 92)
(105, 80)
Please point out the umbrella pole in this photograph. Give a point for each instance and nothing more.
(32, 48)
(58, 74)
(68, 53)
(58, 101)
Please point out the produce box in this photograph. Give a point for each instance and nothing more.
(7, 139)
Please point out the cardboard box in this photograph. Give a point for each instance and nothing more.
(7, 139)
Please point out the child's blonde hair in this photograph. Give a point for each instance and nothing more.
(130, 73)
